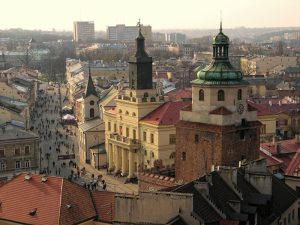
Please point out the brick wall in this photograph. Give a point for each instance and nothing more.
(217, 145)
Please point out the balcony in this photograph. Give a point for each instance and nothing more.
(124, 141)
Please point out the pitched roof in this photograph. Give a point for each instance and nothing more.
(284, 147)
(221, 111)
(178, 95)
(275, 109)
(283, 195)
(90, 88)
(293, 168)
(166, 114)
(50, 199)
(104, 202)
(12, 132)
(201, 206)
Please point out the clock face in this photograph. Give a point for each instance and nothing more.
(240, 108)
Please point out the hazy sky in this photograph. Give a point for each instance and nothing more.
(161, 14)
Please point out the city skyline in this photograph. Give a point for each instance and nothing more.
(160, 15)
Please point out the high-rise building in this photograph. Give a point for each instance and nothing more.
(124, 33)
(218, 128)
(84, 31)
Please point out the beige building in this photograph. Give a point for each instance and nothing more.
(262, 65)
(19, 150)
(90, 126)
(83, 31)
(123, 132)
(143, 209)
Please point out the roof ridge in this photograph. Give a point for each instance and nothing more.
(60, 201)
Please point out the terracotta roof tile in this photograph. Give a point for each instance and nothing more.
(275, 109)
(221, 111)
(178, 95)
(166, 114)
(76, 204)
(50, 198)
(294, 166)
(105, 205)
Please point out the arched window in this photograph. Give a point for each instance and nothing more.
(127, 113)
(92, 112)
(201, 95)
(239, 94)
(221, 95)
(92, 102)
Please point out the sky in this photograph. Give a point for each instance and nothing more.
(160, 14)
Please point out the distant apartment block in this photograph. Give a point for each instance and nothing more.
(84, 31)
(262, 65)
(124, 33)
(176, 38)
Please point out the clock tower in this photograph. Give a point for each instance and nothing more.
(218, 128)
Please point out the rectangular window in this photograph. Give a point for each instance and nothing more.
(134, 134)
(242, 134)
(18, 164)
(115, 128)
(289, 218)
(144, 136)
(2, 152)
(127, 132)
(27, 164)
(263, 129)
(121, 130)
(151, 138)
(196, 138)
(293, 214)
(172, 139)
(27, 150)
(17, 151)
(108, 126)
(2, 166)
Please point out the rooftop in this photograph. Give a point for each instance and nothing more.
(166, 114)
(12, 132)
(54, 201)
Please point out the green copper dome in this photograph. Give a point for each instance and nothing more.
(220, 71)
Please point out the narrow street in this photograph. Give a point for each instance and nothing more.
(57, 140)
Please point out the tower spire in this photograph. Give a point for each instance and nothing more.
(221, 29)
(90, 88)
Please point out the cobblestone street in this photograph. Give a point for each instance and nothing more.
(56, 139)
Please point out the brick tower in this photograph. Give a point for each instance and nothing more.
(218, 128)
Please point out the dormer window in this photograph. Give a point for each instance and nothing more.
(221, 95)
(201, 95)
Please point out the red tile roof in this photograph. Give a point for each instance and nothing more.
(178, 95)
(166, 114)
(105, 205)
(285, 146)
(271, 160)
(275, 109)
(50, 199)
(294, 167)
(221, 111)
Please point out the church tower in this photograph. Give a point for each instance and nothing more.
(218, 128)
(123, 132)
(90, 99)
